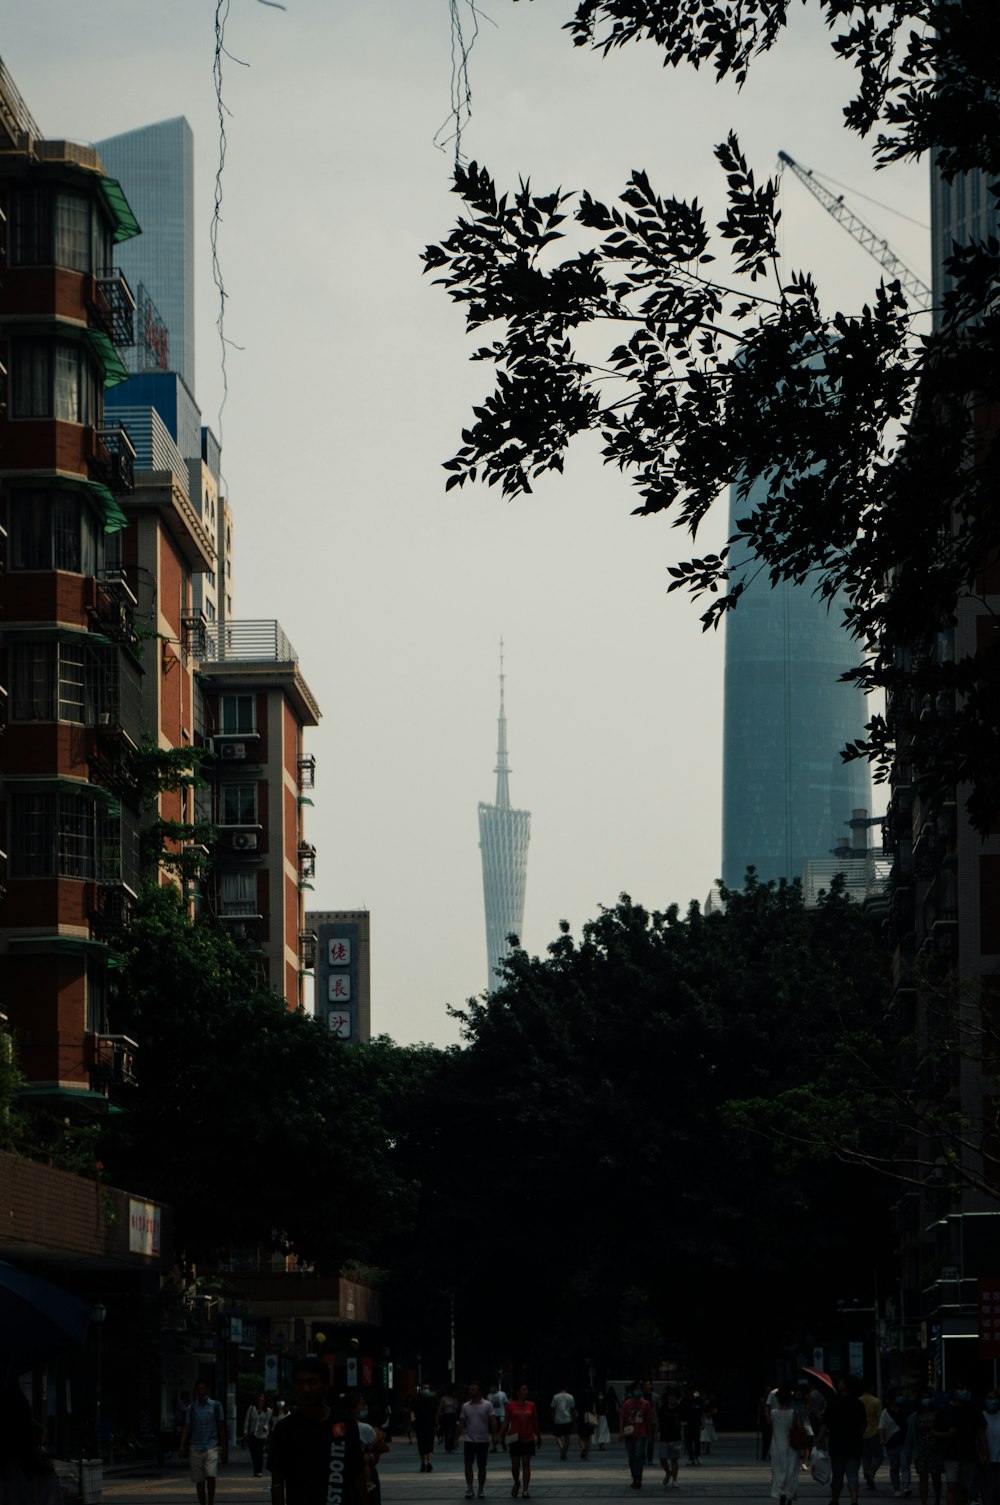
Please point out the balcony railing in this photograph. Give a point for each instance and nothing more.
(113, 460)
(113, 307)
(308, 940)
(307, 772)
(113, 611)
(307, 860)
(251, 641)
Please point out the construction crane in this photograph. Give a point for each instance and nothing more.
(872, 243)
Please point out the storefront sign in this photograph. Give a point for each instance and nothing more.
(143, 1227)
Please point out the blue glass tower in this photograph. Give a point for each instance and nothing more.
(155, 166)
(786, 791)
(504, 834)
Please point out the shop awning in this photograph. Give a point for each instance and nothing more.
(84, 1097)
(125, 223)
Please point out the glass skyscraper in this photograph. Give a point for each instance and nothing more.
(503, 842)
(787, 793)
(155, 166)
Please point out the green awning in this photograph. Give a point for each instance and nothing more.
(77, 945)
(113, 369)
(114, 518)
(125, 223)
(85, 1097)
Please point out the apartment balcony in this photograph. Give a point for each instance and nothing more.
(307, 773)
(113, 611)
(307, 861)
(112, 308)
(254, 641)
(113, 460)
(308, 940)
(252, 654)
(112, 1058)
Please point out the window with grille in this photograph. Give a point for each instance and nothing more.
(32, 681)
(238, 805)
(69, 834)
(72, 680)
(54, 530)
(57, 227)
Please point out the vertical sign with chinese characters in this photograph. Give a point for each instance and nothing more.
(989, 1317)
(336, 976)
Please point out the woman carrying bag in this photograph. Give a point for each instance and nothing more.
(256, 1431)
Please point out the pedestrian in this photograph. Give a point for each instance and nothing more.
(256, 1430)
(25, 1473)
(788, 1443)
(602, 1431)
(649, 1394)
(921, 1448)
(708, 1433)
(447, 1418)
(692, 1426)
(563, 1408)
(476, 1424)
(871, 1452)
(989, 1470)
(498, 1400)
(373, 1442)
(204, 1438)
(634, 1425)
(957, 1429)
(424, 1419)
(586, 1424)
(669, 1428)
(844, 1423)
(892, 1435)
(523, 1438)
(316, 1455)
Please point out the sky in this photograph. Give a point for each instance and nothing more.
(350, 387)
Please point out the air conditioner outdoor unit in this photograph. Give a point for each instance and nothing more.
(244, 841)
(233, 752)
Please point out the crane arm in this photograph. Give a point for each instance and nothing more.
(862, 233)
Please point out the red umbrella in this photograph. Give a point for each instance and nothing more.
(819, 1374)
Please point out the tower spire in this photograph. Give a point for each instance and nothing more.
(502, 769)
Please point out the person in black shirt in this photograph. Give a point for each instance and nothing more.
(956, 1431)
(844, 1423)
(316, 1456)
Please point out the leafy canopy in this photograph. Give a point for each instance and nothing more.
(863, 451)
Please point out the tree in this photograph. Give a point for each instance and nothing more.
(877, 445)
(251, 1120)
(587, 1104)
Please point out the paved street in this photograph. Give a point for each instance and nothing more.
(730, 1473)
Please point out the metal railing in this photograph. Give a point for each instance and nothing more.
(13, 108)
(261, 641)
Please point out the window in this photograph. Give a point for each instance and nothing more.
(238, 805)
(72, 680)
(52, 379)
(237, 714)
(68, 834)
(239, 893)
(97, 995)
(58, 227)
(32, 674)
(54, 530)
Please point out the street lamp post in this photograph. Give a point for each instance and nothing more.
(99, 1313)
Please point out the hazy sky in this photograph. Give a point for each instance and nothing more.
(351, 388)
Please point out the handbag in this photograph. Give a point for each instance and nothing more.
(590, 1418)
(798, 1438)
(821, 1466)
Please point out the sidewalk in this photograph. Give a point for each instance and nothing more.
(731, 1473)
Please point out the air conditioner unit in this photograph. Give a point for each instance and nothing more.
(232, 752)
(244, 841)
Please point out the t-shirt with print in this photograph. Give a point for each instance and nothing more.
(637, 1414)
(521, 1420)
(320, 1460)
(562, 1408)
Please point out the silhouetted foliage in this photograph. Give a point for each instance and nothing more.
(876, 444)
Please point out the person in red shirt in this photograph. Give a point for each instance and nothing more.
(520, 1431)
(635, 1424)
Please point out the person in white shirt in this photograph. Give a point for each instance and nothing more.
(498, 1400)
(476, 1424)
(256, 1431)
(563, 1418)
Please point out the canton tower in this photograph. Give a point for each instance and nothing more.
(503, 841)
